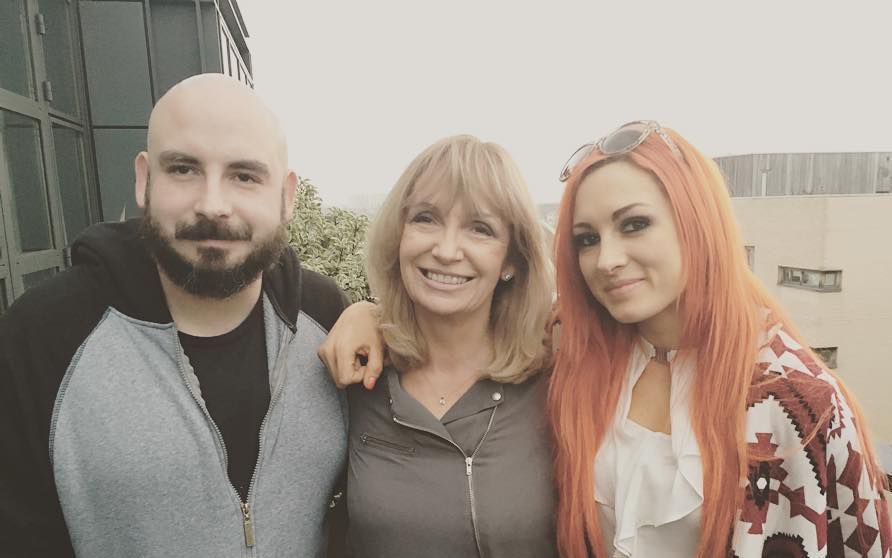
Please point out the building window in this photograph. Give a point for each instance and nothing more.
(812, 279)
(884, 175)
(750, 256)
(827, 354)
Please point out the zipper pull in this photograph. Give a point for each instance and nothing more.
(249, 525)
(468, 462)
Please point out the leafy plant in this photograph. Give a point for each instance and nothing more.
(330, 241)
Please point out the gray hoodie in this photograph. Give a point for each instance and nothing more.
(106, 426)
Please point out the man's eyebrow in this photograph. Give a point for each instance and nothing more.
(250, 165)
(170, 157)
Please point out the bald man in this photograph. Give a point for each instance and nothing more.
(162, 397)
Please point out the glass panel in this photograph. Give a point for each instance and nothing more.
(115, 151)
(830, 280)
(209, 29)
(34, 278)
(3, 244)
(15, 54)
(229, 58)
(224, 48)
(20, 141)
(59, 51)
(827, 354)
(811, 278)
(175, 30)
(72, 184)
(117, 62)
(750, 256)
(884, 173)
(4, 303)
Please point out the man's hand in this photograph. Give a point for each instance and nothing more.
(353, 351)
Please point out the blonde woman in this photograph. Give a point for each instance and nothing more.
(449, 453)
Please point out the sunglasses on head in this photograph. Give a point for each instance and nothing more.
(618, 142)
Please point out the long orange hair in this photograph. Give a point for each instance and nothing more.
(722, 308)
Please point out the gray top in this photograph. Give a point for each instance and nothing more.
(478, 482)
(140, 467)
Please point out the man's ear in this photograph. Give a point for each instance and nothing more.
(290, 187)
(141, 171)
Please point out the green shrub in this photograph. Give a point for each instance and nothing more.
(330, 241)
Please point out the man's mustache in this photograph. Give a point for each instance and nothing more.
(208, 229)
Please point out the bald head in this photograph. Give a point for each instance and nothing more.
(222, 106)
(215, 150)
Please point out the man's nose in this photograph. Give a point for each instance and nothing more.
(214, 201)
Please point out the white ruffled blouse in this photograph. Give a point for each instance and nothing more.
(649, 485)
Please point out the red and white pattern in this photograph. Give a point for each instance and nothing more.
(814, 498)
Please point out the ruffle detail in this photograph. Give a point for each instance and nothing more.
(656, 478)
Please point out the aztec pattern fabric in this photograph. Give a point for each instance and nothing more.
(812, 498)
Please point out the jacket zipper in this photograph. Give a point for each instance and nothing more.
(469, 464)
(244, 506)
(469, 469)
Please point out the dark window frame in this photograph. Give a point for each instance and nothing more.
(828, 355)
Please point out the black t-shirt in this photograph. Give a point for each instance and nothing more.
(234, 377)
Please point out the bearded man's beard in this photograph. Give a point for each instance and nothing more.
(209, 277)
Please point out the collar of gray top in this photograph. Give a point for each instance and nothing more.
(484, 394)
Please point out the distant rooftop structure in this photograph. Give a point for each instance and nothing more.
(796, 174)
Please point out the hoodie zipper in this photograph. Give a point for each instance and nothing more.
(274, 398)
(244, 506)
(469, 469)
(248, 525)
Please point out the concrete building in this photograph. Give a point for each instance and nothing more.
(816, 228)
(78, 79)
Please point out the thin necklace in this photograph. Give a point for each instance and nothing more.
(442, 399)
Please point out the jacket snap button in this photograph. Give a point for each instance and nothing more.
(496, 396)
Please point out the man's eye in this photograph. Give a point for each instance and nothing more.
(635, 224)
(584, 240)
(181, 170)
(246, 178)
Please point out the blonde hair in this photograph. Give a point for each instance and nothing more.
(467, 169)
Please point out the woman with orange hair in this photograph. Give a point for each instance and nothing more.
(690, 418)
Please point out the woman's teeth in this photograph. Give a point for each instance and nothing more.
(447, 279)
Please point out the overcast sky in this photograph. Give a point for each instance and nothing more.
(363, 86)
